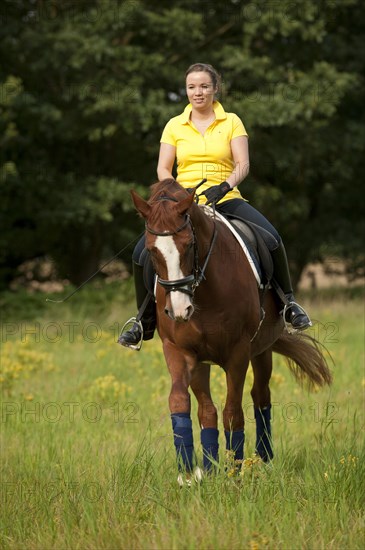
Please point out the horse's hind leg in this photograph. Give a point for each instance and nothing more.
(262, 369)
(233, 418)
(207, 414)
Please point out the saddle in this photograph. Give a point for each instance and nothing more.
(259, 243)
(255, 241)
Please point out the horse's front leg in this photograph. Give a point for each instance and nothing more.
(233, 418)
(207, 414)
(180, 367)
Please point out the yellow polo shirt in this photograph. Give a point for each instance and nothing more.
(207, 156)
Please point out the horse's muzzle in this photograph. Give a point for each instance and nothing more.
(179, 312)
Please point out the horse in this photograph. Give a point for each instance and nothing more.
(209, 311)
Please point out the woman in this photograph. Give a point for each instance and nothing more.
(213, 145)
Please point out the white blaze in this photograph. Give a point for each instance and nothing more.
(166, 245)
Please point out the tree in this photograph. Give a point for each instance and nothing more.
(88, 86)
(297, 80)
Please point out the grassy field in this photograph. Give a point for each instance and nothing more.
(88, 460)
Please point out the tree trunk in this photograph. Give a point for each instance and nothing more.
(83, 254)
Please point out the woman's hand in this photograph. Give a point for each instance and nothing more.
(215, 193)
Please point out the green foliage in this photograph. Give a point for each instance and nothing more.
(86, 88)
(88, 453)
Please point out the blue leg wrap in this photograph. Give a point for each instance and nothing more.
(183, 440)
(235, 442)
(263, 433)
(209, 440)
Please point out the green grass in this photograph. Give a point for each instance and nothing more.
(87, 454)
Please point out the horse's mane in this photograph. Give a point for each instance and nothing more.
(161, 215)
(168, 188)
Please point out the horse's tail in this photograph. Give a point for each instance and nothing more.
(305, 358)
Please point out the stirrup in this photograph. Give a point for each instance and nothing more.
(288, 326)
(131, 321)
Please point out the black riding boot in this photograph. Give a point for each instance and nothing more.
(146, 313)
(294, 314)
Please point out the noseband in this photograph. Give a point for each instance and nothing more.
(187, 284)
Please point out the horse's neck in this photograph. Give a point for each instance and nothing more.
(203, 224)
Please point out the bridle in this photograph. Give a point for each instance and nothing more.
(190, 283)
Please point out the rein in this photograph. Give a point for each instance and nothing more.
(190, 283)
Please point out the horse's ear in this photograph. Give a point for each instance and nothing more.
(140, 204)
(184, 205)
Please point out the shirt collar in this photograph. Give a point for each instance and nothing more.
(220, 113)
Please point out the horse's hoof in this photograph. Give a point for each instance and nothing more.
(183, 482)
(198, 475)
(187, 479)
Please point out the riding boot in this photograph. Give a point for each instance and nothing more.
(146, 317)
(293, 313)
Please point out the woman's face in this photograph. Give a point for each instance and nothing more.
(200, 90)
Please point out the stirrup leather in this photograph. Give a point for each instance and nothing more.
(131, 321)
(288, 326)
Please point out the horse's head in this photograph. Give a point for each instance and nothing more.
(170, 241)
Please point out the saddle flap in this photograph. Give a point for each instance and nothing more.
(255, 241)
(260, 242)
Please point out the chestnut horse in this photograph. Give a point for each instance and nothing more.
(209, 312)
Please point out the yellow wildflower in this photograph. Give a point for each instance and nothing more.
(108, 388)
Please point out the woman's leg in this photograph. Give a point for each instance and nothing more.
(241, 209)
(294, 313)
(145, 301)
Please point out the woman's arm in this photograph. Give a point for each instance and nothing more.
(166, 161)
(239, 148)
